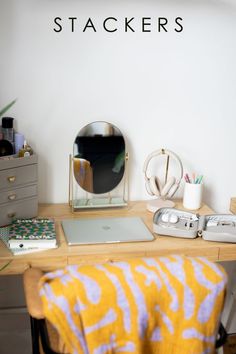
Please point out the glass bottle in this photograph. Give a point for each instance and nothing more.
(7, 129)
(26, 150)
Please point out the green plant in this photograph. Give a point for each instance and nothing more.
(7, 107)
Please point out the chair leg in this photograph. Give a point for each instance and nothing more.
(34, 335)
(222, 337)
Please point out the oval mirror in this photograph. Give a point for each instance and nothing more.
(99, 157)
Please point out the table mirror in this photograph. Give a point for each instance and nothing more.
(98, 167)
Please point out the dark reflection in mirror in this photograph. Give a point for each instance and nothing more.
(99, 157)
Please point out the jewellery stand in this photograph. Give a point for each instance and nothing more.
(81, 199)
(155, 204)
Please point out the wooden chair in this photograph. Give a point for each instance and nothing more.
(45, 339)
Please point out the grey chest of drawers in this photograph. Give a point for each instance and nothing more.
(18, 188)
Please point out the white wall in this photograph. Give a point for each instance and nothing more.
(173, 90)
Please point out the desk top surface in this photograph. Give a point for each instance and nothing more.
(87, 254)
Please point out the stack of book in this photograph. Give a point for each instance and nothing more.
(29, 235)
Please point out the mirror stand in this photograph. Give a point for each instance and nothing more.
(82, 199)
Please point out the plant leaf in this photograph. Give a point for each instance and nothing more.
(7, 107)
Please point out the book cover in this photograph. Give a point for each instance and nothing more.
(4, 237)
(32, 233)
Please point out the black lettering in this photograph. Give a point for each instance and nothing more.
(127, 22)
(144, 23)
(89, 24)
(72, 22)
(162, 21)
(58, 24)
(179, 24)
(105, 22)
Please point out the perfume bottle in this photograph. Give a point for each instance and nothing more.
(7, 129)
(26, 150)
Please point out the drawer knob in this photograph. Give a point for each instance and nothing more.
(12, 197)
(11, 215)
(11, 179)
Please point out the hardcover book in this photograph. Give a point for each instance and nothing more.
(26, 233)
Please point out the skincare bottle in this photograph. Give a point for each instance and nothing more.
(26, 150)
(19, 142)
(7, 129)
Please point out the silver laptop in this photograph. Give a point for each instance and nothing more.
(106, 230)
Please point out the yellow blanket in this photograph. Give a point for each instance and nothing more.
(144, 305)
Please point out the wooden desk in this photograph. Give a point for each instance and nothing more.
(233, 205)
(162, 245)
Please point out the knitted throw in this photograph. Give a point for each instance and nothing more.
(158, 305)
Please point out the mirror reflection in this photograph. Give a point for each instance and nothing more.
(99, 157)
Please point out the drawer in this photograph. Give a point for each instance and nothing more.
(26, 208)
(13, 177)
(12, 195)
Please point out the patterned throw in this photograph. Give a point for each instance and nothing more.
(156, 305)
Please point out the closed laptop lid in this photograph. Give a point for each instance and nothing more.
(105, 230)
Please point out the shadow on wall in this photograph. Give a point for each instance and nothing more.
(45, 171)
(208, 195)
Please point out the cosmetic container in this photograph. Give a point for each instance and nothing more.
(7, 129)
(1, 133)
(6, 148)
(19, 142)
(26, 150)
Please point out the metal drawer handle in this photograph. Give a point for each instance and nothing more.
(12, 197)
(11, 179)
(11, 215)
